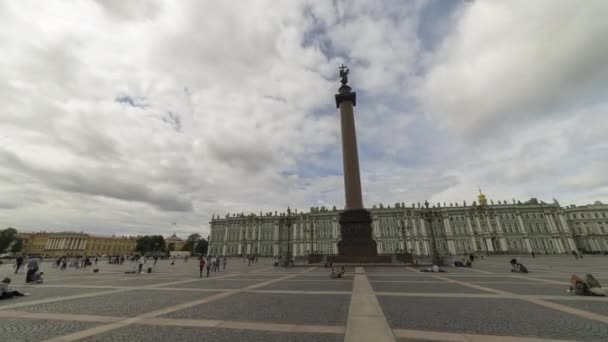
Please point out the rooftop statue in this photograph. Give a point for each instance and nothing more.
(343, 74)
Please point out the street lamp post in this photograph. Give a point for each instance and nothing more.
(430, 215)
(311, 233)
(404, 229)
(288, 222)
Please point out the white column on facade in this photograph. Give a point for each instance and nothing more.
(423, 231)
(489, 224)
(315, 247)
(557, 229)
(449, 236)
(528, 245)
(471, 233)
(558, 245)
(498, 225)
(565, 227)
(522, 228)
(402, 232)
(375, 228)
(240, 248)
(259, 237)
(552, 228)
(489, 245)
(503, 242)
(335, 236)
(447, 226)
(275, 237)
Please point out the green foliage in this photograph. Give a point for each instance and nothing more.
(191, 242)
(195, 243)
(201, 247)
(150, 244)
(17, 246)
(7, 236)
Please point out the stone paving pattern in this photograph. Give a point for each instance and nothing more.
(266, 303)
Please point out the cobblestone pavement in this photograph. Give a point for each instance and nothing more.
(265, 303)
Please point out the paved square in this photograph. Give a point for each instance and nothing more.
(273, 307)
(265, 303)
(181, 334)
(128, 303)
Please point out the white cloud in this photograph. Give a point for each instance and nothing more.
(513, 61)
(124, 117)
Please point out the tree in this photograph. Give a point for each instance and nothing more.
(191, 242)
(171, 247)
(201, 247)
(17, 246)
(150, 243)
(7, 236)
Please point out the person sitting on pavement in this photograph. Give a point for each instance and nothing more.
(513, 263)
(580, 287)
(434, 269)
(335, 273)
(6, 293)
(594, 285)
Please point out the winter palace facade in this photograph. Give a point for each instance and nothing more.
(502, 227)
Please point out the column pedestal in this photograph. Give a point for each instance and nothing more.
(356, 243)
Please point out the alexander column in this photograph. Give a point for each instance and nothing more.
(356, 244)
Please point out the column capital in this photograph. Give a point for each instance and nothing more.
(344, 94)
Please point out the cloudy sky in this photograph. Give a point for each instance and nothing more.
(125, 117)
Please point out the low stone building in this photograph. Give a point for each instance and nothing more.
(177, 242)
(459, 228)
(76, 244)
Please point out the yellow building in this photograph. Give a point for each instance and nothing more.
(177, 242)
(76, 244)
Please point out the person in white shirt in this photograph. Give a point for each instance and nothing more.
(6, 293)
(141, 263)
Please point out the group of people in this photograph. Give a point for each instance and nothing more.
(250, 258)
(588, 287)
(517, 266)
(212, 263)
(77, 262)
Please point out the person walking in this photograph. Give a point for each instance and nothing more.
(32, 268)
(18, 263)
(208, 267)
(533, 255)
(201, 266)
(224, 262)
(140, 264)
